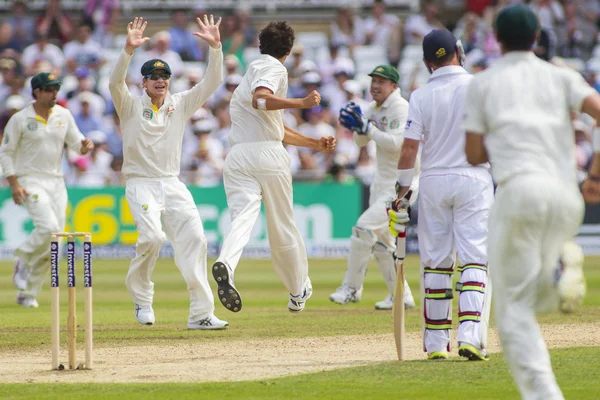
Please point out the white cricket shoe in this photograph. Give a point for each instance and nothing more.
(388, 302)
(25, 301)
(228, 294)
(571, 284)
(296, 303)
(144, 314)
(345, 294)
(209, 323)
(20, 275)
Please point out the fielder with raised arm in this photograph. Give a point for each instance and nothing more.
(257, 169)
(454, 204)
(153, 126)
(383, 122)
(518, 115)
(31, 158)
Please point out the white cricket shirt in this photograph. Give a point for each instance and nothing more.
(152, 137)
(389, 120)
(435, 115)
(34, 146)
(522, 105)
(247, 123)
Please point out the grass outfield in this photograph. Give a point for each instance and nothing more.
(265, 315)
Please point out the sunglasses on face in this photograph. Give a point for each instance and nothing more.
(50, 88)
(155, 77)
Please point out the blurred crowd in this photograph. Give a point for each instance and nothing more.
(83, 49)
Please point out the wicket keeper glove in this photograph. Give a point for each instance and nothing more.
(398, 214)
(352, 118)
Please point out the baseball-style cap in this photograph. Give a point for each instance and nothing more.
(438, 43)
(44, 79)
(516, 22)
(387, 72)
(152, 65)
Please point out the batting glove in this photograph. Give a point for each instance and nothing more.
(398, 214)
(352, 118)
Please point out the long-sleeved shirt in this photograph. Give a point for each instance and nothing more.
(34, 146)
(152, 137)
(388, 122)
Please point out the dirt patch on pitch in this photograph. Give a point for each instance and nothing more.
(246, 360)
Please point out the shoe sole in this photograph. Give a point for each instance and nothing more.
(228, 295)
(438, 357)
(209, 328)
(471, 354)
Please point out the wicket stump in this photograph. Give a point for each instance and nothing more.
(87, 298)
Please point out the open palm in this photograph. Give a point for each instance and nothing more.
(209, 31)
(135, 33)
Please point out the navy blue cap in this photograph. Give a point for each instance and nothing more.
(438, 43)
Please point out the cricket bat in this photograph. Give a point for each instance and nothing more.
(398, 307)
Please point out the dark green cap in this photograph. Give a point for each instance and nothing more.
(152, 65)
(44, 79)
(516, 24)
(387, 72)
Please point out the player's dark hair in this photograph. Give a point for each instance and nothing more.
(444, 61)
(276, 39)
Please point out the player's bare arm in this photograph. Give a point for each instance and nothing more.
(408, 158)
(295, 138)
(475, 149)
(265, 99)
(591, 186)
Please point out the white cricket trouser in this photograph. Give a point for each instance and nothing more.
(255, 172)
(531, 220)
(159, 204)
(47, 206)
(371, 236)
(454, 206)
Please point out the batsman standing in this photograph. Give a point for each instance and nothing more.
(31, 158)
(257, 169)
(383, 122)
(454, 204)
(518, 114)
(153, 126)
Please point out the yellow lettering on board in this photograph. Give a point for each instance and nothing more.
(127, 237)
(96, 214)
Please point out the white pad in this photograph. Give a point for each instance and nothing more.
(437, 311)
(471, 306)
(361, 250)
(387, 265)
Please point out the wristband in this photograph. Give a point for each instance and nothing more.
(405, 176)
(261, 104)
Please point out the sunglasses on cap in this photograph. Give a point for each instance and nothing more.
(50, 88)
(155, 77)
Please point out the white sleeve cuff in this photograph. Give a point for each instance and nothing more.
(405, 176)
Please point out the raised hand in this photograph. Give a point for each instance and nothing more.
(135, 34)
(209, 31)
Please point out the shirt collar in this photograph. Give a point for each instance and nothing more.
(148, 101)
(448, 70)
(390, 98)
(30, 111)
(269, 58)
(514, 56)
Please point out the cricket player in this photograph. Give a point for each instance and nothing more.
(383, 122)
(31, 159)
(257, 169)
(153, 126)
(455, 199)
(518, 116)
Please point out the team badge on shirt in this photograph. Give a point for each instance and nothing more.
(32, 126)
(170, 110)
(145, 207)
(147, 114)
(384, 121)
(395, 124)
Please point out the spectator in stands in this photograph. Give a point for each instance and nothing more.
(86, 120)
(419, 25)
(183, 40)
(116, 178)
(42, 50)
(346, 30)
(294, 63)
(114, 136)
(333, 92)
(244, 14)
(365, 168)
(208, 161)
(86, 84)
(317, 127)
(96, 171)
(583, 147)
(17, 30)
(221, 112)
(13, 104)
(12, 81)
(55, 24)
(83, 51)
(469, 33)
(338, 172)
(577, 36)
(383, 30)
(233, 38)
(104, 13)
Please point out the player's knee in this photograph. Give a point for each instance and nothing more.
(47, 228)
(152, 240)
(197, 236)
(363, 235)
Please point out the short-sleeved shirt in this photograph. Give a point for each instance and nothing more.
(435, 115)
(247, 123)
(523, 107)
